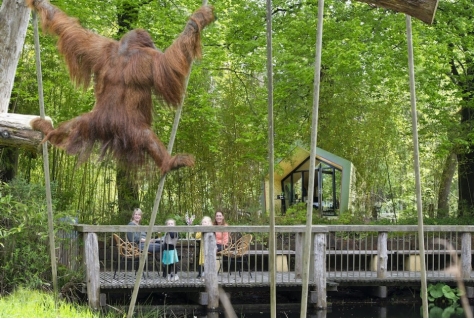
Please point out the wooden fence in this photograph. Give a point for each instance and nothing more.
(340, 255)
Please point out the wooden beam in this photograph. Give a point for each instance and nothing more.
(423, 10)
(16, 131)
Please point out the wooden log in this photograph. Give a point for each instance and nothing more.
(16, 131)
(91, 259)
(423, 10)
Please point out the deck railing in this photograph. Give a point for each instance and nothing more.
(350, 253)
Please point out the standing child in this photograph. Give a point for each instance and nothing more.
(206, 221)
(170, 256)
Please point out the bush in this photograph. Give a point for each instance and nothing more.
(24, 240)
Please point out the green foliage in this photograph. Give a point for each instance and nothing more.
(443, 301)
(442, 292)
(296, 215)
(412, 220)
(28, 303)
(363, 114)
(25, 254)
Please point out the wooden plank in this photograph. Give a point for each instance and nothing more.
(424, 10)
(266, 252)
(353, 252)
(191, 229)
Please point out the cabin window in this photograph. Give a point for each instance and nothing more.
(327, 187)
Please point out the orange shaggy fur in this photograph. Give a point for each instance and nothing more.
(126, 72)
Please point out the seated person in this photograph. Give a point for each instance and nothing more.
(222, 238)
(139, 238)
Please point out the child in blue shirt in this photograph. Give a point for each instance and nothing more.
(170, 256)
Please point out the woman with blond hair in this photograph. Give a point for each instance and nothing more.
(206, 221)
(139, 238)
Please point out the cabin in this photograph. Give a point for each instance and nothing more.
(334, 185)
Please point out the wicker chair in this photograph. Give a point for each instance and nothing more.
(127, 251)
(237, 253)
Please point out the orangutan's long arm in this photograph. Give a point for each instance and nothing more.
(81, 48)
(171, 68)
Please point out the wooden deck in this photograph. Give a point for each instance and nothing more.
(188, 280)
(126, 280)
(340, 256)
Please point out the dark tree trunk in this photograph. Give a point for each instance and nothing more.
(466, 183)
(127, 17)
(128, 197)
(445, 185)
(127, 187)
(462, 75)
(8, 163)
(466, 159)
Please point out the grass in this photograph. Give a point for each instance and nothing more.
(27, 303)
(23, 303)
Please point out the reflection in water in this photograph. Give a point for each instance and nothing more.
(362, 310)
(347, 310)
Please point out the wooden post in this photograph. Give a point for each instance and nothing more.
(91, 258)
(299, 255)
(14, 17)
(319, 269)
(210, 270)
(382, 256)
(466, 255)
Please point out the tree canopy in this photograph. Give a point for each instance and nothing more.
(364, 111)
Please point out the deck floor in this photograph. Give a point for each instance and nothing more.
(153, 279)
(188, 279)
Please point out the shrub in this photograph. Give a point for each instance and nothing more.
(24, 244)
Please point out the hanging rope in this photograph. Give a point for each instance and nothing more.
(271, 156)
(47, 181)
(156, 203)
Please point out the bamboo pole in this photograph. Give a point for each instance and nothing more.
(47, 180)
(312, 164)
(271, 157)
(421, 236)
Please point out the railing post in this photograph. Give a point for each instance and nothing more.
(382, 256)
(298, 255)
(210, 269)
(319, 269)
(91, 259)
(466, 255)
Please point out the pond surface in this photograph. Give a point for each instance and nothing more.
(347, 310)
(350, 303)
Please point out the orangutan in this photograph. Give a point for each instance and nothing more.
(125, 73)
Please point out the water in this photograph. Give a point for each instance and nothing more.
(347, 310)
(405, 304)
